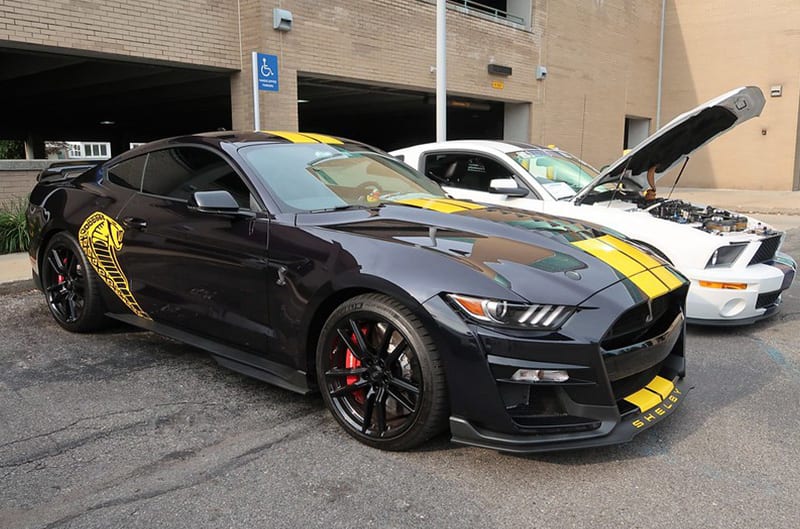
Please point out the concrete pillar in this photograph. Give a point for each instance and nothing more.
(278, 109)
(516, 122)
(34, 147)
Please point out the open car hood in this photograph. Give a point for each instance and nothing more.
(669, 145)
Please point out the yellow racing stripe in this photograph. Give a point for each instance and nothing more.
(323, 138)
(649, 284)
(461, 203)
(439, 204)
(294, 137)
(667, 277)
(633, 264)
(631, 251)
(610, 255)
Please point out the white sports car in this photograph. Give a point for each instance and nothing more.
(733, 261)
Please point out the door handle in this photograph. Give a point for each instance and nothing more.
(135, 223)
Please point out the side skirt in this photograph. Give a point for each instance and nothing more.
(245, 363)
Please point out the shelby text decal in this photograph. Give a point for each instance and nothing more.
(653, 414)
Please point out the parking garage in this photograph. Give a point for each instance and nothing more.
(52, 97)
(391, 117)
(57, 97)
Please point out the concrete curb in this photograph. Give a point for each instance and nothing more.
(16, 287)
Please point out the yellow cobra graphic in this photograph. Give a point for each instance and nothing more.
(101, 238)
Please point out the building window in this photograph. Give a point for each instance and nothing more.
(75, 150)
(96, 150)
(516, 11)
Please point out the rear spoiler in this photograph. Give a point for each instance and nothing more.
(65, 170)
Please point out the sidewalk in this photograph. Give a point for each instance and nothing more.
(16, 267)
(741, 201)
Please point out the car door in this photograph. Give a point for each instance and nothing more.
(198, 271)
(467, 175)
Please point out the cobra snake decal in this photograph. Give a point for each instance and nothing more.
(101, 238)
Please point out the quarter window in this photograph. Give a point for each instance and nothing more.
(179, 172)
(128, 173)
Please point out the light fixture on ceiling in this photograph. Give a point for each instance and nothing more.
(108, 122)
(303, 101)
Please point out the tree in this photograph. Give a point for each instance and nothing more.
(12, 149)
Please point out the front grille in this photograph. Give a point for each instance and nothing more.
(767, 249)
(636, 325)
(767, 299)
(633, 349)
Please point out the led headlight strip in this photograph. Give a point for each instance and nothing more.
(517, 315)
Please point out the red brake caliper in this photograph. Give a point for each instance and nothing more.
(351, 362)
(60, 277)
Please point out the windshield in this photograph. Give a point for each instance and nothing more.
(560, 173)
(315, 176)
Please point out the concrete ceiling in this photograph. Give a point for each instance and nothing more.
(63, 97)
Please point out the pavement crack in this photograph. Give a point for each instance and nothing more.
(195, 477)
(62, 448)
(103, 416)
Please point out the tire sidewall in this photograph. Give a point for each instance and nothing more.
(391, 311)
(92, 315)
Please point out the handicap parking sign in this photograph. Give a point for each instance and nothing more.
(267, 69)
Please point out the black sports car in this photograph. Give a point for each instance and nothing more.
(313, 262)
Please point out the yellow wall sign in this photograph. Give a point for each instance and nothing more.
(499, 85)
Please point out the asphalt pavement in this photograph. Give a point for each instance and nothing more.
(128, 429)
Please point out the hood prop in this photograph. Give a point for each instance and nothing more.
(616, 187)
(685, 162)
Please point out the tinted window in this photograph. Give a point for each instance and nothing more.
(128, 173)
(313, 176)
(466, 171)
(179, 172)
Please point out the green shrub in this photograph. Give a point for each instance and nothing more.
(13, 228)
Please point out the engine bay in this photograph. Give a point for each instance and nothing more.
(708, 218)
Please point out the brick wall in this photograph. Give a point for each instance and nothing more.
(200, 32)
(601, 56)
(602, 62)
(17, 177)
(711, 49)
(390, 43)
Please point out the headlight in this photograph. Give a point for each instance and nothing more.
(516, 315)
(725, 256)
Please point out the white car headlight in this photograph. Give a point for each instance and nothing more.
(725, 256)
(515, 315)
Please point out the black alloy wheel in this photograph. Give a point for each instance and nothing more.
(380, 374)
(71, 286)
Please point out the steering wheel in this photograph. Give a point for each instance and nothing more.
(369, 191)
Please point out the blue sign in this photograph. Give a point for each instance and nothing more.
(267, 69)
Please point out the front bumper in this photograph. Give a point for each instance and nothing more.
(600, 403)
(719, 306)
(614, 430)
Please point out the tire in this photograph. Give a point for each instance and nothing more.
(71, 286)
(380, 374)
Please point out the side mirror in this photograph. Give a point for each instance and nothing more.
(214, 202)
(508, 187)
